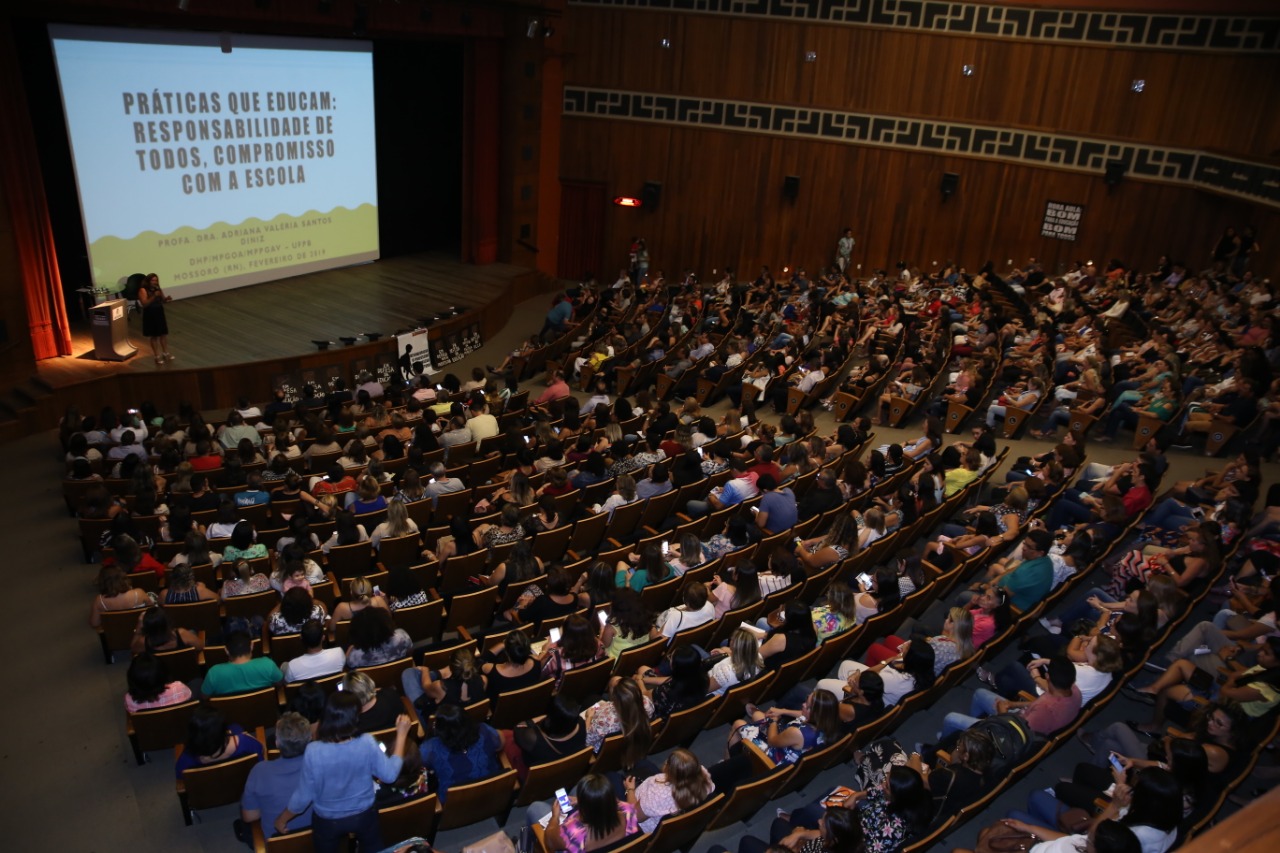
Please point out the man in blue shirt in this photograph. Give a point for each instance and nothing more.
(254, 494)
(558, 316)
(777, 510)
(272, 783)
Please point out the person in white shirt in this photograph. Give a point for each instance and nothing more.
(316, 661)
(704, 348)
(696, 610)
(368, 383)
(482, 423)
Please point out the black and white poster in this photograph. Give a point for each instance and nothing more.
(1061, 220)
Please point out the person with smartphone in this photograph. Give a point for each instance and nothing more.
(597, 820)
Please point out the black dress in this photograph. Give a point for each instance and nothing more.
(154, 324)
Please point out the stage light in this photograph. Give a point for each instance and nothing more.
(347, 341)
(967, 70)
(626, 201)
(373, 336)
(810, 56)
(322, 345)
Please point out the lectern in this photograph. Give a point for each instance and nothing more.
(110, 322)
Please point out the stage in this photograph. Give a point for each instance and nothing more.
(236, 342)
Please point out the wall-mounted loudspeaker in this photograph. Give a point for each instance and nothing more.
(1115, 172)
(950, 183)
(791, 187)
(651, 195)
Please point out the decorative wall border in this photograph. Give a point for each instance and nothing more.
(1255, 182)
(1159, 31)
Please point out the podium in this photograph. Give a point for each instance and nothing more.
(110, 321)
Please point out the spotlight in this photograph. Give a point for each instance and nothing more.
(664, 43)
(531, 29)
(810, 56)
(1137, 86)
(967, 70)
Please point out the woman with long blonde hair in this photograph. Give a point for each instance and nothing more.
(739, 662)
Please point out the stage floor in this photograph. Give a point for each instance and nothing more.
(280, 319)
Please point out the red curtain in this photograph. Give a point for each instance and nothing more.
(29, 210)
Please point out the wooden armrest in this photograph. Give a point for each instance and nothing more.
(259, 839)
(1173, 732)
(463, 633)
(1024, 696)
(944, 756)
(758, 757)
(281, 699)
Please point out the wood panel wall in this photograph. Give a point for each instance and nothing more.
(722, 204)
(1225, 102)
(722, 192)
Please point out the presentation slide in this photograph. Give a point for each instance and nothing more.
(218, 161)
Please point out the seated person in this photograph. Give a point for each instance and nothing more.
(242, 672)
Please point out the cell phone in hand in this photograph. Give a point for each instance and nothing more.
(754, 510)
(865, 580)
(666, 548)
(554, 634)
(562, 797)
(1116, 763)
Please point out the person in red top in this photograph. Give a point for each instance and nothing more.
(336, 481)
(764, 464)
(557, 389)
(206, 457)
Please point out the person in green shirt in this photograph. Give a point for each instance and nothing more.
(1031, 581)
(243, 672)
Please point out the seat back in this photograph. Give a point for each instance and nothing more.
(658, 596)
(477, 801)
(387, 674)
(586, 681)
(158, 728)
(250, 710)
(116, 631)
(180, 664)
(472, 609)
(645, 654)
(422, 622)
(790, 673)
(588, 533)
(400, 552)
(680, 831)
(409, 819)
(750, 798)
(732, 706)
(552, 544)
(814, 762)
(544, 779)
(519, 705)
(683, 726)
(349, 561)
(197, 616)
(214, 785)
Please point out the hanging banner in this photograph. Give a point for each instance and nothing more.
(1061, 220)
(455, 346)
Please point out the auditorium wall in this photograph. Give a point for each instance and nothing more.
(722, 195)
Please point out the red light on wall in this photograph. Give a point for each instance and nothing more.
(626, 201)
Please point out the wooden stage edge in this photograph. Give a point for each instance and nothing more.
(273, 324)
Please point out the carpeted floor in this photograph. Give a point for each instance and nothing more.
(69, 779)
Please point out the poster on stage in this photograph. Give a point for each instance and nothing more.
(324, 379)
(290, 383)
(455, 346)
(413, 359)
(383, 367)
(1061, 220)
